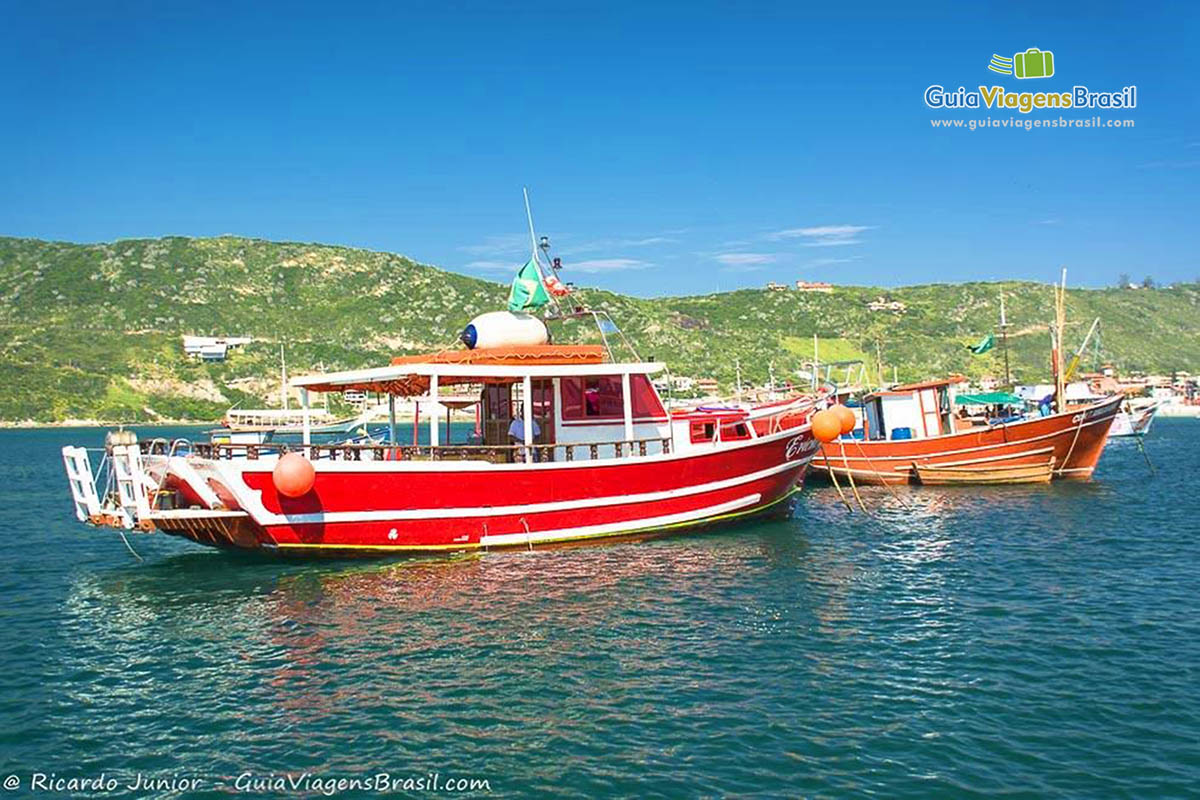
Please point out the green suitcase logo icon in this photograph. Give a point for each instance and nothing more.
(1033, 63)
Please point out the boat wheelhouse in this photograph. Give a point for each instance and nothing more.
(568, 445)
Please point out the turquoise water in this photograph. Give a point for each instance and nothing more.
(1023, 642)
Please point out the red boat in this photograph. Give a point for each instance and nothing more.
(909, 428)
(568, 446)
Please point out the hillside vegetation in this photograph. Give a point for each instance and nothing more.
(93, 331)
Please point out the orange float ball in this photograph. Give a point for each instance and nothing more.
(826, 426)
(293, 475)
(846, 416)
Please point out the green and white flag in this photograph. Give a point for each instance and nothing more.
(527, 293)
(984, 345)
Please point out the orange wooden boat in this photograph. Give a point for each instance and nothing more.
(912, 427)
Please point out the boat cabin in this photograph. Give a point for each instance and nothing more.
(911, 411)
(541, 403)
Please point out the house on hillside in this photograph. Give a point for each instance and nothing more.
(212, 348)
(708, 386)
(776, 287)
(894, 306)
(814, 286)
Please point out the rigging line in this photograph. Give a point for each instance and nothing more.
(887, 485)
(129, 547)
(833, 478)
(1140, 443)
(850, 478)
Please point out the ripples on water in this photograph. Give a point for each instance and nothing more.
(1029, 641)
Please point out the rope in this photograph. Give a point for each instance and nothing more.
(886, 485)
(129, 547)
(850, 477)
(1071, 449)
(1145, 455)
(833, 478)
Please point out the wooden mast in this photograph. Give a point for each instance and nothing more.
(1060, 322)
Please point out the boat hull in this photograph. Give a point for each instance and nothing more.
(1135, 422)
(385, 507)
(1074, 439)
(984, 476)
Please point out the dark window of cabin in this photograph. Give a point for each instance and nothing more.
(703, 432)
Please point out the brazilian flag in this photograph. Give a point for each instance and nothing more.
(985, 344)
(527, 293)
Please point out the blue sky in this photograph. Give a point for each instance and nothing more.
(669, 148)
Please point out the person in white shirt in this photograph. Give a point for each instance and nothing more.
(516, 428)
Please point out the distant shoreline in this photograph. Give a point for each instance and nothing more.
(96, 423)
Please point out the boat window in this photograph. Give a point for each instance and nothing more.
(601, 397)
(874, 421)
(945, 424)
(645, 399)
(497, 413)
(593, 398)
(703, 431)
(733, 431)
(571, 390)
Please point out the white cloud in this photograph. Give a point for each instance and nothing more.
(745, 261)
(605, 265)
(825, 262)
(616, 244)
(831, 242)
(822, 235)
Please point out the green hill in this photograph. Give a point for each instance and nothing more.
(93, 331)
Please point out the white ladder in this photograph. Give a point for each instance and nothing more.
(131, 484)
(83, 483)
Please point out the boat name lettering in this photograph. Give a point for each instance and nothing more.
(800, 447)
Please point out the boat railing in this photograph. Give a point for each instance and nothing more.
(589, 451)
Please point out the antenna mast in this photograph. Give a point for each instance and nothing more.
(533, 244)
(283, 392)
(529, 216)
(1004, 340)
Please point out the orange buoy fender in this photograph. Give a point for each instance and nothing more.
(846, 416)
(826, 425)
(293, 475)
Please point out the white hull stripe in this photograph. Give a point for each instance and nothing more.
(923, 461)
(1041, 451)
(613, 528)
(267, 518)
(834, 457)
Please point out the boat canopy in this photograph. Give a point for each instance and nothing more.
(409, 376)
(512, 355)
(913, 388)
(989, 399)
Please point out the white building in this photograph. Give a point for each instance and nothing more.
(895, 306)
(212, 348)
